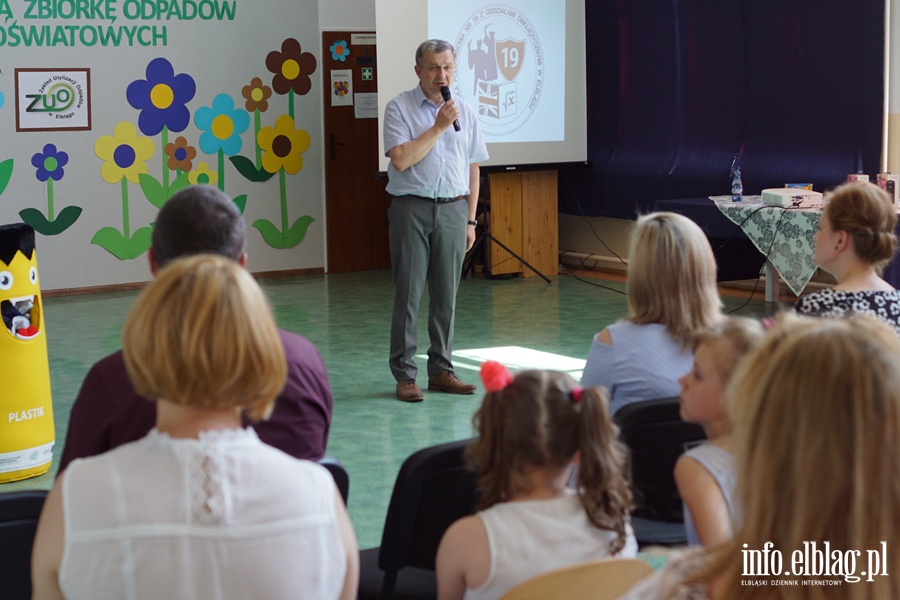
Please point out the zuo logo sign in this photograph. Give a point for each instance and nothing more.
(501, 65)
(58, 98)
(50, 99)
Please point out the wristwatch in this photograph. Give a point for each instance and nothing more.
(473, 223)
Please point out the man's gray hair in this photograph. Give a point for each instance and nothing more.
(434, 47)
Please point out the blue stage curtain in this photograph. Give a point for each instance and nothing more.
(676, 89)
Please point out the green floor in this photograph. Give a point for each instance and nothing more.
(348, 316)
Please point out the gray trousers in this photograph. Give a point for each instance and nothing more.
(428, 244)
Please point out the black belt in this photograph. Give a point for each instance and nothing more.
(436, 200)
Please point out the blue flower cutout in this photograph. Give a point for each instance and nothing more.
(50, 163)
(162, 98)
(222, 126)
(339, 50)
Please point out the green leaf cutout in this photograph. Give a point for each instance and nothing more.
(112, 240)
(39, 222)
(270, 233)
(240, 202)
(153, 190)
(6, 168)
(247, 168)
(141, 240)
(297, 231)
(277, 239)
(179, 184)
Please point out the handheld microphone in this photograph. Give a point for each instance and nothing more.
(445, 94)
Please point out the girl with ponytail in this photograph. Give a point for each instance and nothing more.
(532, 429)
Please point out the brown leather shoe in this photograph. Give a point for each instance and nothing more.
(450, 383)
(408, 391)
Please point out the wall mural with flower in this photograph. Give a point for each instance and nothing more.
(162, 100)
(222, 100)
(50, 164)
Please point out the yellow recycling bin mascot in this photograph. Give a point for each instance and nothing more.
(26, 412)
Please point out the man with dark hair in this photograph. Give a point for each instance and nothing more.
(202, 221)
(435, 144)
(108, 412)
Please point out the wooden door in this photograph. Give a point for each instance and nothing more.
(356, 202)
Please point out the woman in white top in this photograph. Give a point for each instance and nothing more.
(672, 294)
(816, 412)
(199, 508)
(531, 431)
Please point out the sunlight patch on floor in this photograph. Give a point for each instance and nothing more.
(517, 358)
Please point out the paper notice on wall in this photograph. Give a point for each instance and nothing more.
(341, 87)
(366, 106)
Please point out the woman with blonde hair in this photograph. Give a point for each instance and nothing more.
(817, 422)
(855, 241)
(199, 508)
(532, 429)
(672, 294)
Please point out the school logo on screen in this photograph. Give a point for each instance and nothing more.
(500, 66)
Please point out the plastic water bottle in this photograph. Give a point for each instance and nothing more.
(737, 188)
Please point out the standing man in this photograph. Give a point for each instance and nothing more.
(434, 177)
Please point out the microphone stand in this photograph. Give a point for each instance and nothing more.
(469, 260)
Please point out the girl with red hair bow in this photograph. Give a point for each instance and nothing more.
(532, 430)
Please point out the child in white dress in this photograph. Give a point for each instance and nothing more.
(532, 429)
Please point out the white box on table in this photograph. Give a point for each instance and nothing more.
(788, 197)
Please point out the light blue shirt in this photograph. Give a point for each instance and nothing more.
(642, 363)
(720, 465)
(444, 171)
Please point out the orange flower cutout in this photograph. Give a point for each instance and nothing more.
(257, 95)
(181, 155)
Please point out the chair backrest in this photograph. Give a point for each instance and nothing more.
(19, 512)
(340, 475)
(604, 579)
(433, 489)
(656, 436)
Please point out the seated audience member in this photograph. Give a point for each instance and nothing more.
(705, 474)
(200, 507)
(532, 429)
(854, 242)
(816, 410)
(672, 294)
(108, 412)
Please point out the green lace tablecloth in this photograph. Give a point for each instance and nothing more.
(784, 236)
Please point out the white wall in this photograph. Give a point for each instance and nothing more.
(347, 14)
(221, 55)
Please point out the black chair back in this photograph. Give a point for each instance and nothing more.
(656, 436)
(432, 490)
(340, 475)
(19, 512)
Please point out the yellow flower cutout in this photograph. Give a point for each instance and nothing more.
(282, 146)
(202, 175)
(124, 154)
